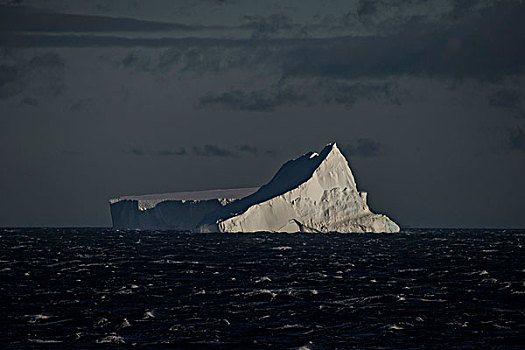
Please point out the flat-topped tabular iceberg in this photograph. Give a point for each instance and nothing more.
(312, 193)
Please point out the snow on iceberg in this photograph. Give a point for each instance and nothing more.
(312, 193)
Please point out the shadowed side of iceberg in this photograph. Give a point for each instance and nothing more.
(182, 211)
(291, 174)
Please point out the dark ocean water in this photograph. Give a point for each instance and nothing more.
(97, 288)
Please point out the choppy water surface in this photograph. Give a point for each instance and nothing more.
(421, 288)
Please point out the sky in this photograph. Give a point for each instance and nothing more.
(106, 98)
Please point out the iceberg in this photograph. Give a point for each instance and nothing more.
(315, 192)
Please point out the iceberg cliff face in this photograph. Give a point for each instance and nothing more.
(313, 193)
(182, 211)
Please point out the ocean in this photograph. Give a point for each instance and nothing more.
(422, 288)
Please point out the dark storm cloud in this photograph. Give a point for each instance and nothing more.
(212, 59)
(267, 26)
(316, 91)
(137, 61)
(485, 46)
(248, 149)
(390, 15)
(482, 46)
(212, 151)
(42, 74)
(366, 9)
(178, 152)
(508, 99)
(131, 59)
(81, 104)
(517, 140)
(363, 147)
(347, 93)
(204, 151)
(199, 59)
(169, 58)
(137, 151)
(479, 48)
(261, 100)
(431, 55)
(66, 40)
(32, 19)
(201, 151)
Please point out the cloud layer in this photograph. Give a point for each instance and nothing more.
(206, 150)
